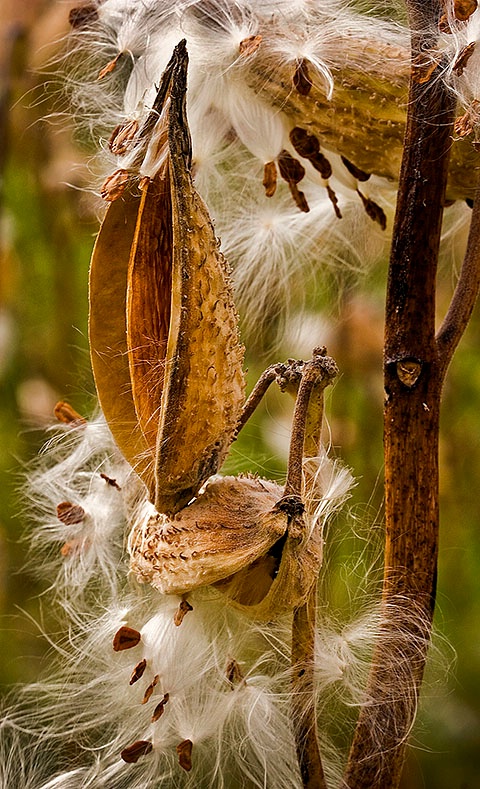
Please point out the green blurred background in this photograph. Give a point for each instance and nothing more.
(47, 231)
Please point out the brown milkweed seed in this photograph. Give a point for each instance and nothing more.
(463, 57)
(65, 413)
(334, 201)
(233, 673)
(184, 750)
(463, 9)
(360, 175)
(160, 708)
(125, 638)
(373, 210)
(304, 143)
(249, 45)
(270, 178)
(110, 481)
(132, 753)
(114, 186)
(148, 693)
(138, 671)
(122, 137)
(69, 513)
(109, 67)
(181, 611)
(301, 79)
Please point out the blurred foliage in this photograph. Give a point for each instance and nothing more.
(47, 235)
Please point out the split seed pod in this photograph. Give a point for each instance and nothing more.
(167, 361)
(166, 353)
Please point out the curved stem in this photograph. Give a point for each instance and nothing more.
(465, 295)
(303, 697)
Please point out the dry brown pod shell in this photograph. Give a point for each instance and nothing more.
(167, 361)
(163, 325)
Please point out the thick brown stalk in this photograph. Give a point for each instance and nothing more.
(414, 371)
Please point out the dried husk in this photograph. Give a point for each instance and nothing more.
(236, 536)
(166, 351)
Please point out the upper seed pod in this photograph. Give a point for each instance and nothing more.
(163, 326)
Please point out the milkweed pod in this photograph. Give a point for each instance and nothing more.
(164, 338)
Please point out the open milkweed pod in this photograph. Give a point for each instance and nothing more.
(166, 353)
(246, 536)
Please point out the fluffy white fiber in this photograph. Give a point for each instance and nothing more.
(227, 678)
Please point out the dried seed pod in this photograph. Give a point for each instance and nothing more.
(163, 326)
(132, 753)
(69, 513)
(184, 750)
(126, 638)
(229, 526)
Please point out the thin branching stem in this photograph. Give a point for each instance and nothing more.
(465, 295)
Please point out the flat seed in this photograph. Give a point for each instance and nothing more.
(270, 178)
(109, 67)
(463, 9)
(138, 671)
(305, 144)
(132, 753)
(249, 45)
(69, 513)
(184, 750)
(122, 137)
(125, 638)
(148, 693)
(160, 708)
(233, 673)
(463, 57)
(360, 175)
(181, 612)
(115, 185)
(301, 79)
(290, 168)
(373, 210)
(334, 200)
(110, 481)
(65, 413)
